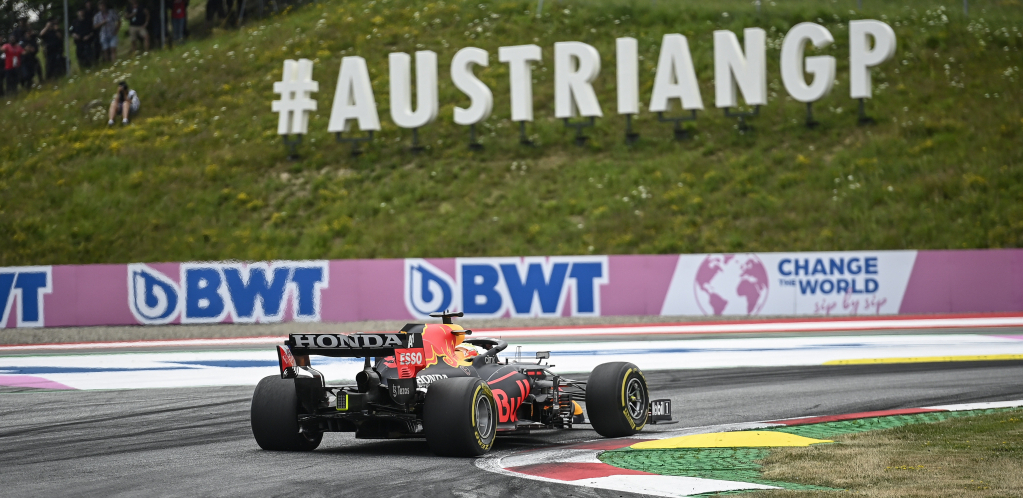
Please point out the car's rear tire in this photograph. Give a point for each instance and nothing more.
(274, 417)
(617, 399)
(460, 417)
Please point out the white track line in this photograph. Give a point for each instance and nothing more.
(238, 341)
(786, 326)
(554, 332)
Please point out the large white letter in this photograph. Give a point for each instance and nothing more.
(401, 91)
(676, 78)
(481, 99)
(296, 88)
(821, 66)
(627, 57)
(576, 65)
(353, 98)
(731, 68)
(521, 75)
(861, 57)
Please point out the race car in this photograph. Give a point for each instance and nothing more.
(428, 380)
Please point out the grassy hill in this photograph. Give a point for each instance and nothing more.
(202, 175)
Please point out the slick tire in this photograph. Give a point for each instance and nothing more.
(460, 417)
(274, 417)
(617, 399)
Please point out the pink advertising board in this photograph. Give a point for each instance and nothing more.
(824, 283)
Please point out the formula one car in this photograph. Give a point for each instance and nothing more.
(425, 382)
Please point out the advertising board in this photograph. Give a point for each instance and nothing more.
(745, 284)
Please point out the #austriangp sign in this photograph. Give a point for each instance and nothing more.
(740, 70)
(743, 284)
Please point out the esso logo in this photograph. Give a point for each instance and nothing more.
(410, 358)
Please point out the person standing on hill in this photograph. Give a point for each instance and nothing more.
(12, 63)
(138, 20)
(90, 14)
(19, 29)
(125, 103)
(215, 8)
(83, 35)
(53, 42)
(30, 60)
(108, 23)
(179, 12)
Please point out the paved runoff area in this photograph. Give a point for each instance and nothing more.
(701, 345)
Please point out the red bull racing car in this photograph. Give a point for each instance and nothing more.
(429, 380)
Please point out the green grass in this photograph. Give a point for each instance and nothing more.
(967, 456)
(813, 468)
(201, 174)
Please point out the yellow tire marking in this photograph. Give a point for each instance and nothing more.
(625, 381)
(739, 439)
(926, 359)
(473, 402)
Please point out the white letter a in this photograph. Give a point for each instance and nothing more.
(353, 98)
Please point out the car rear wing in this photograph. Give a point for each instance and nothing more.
(353, 345)
(406, 347)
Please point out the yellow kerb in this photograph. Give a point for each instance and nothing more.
(927, 359)
(740, 439)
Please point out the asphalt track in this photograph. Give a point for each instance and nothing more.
(196, 441)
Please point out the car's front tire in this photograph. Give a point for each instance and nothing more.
(274, 417)
(460, 417)
(617, 399)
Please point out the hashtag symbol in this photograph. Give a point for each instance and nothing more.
(296, 103)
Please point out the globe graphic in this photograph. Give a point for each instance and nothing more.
(731, 284)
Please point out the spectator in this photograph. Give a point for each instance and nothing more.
(138, 20)
(53, 41)
(215, 8)
(108, 23)
(125, 103)
(179, 12)
(185, 31)
(12, 65)
(19, 29)
(83, 35)
(30, 66)
(155, 31)
(90, 14)
(3, 71)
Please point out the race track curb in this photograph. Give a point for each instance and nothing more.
(579, 464)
